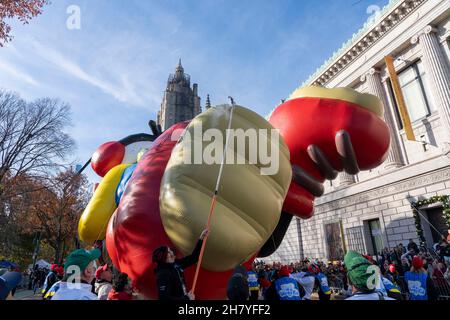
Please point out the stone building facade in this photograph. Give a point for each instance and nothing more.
(371, 211)
(180, 101)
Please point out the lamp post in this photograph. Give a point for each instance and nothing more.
(37, 243)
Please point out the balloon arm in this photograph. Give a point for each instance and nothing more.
(346, 152)
(156, 129)
(348, 159)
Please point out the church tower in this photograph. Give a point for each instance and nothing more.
(180, 101)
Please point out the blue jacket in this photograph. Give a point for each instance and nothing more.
(417, 285)
(287, 289)
(389, 286)
(50, 279)
(52, 291)
(252, 280)
(323, 283)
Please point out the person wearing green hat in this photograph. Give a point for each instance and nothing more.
(79, 272)
(363, 277)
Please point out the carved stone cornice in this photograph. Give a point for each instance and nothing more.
(371, 72)
(405, 185)
(427, 30)
(371, 33)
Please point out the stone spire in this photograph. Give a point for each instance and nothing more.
(180, 101)
(179, 71)
(208, 102)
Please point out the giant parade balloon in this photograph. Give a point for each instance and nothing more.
(158, 190)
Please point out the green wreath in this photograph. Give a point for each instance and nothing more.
(432, 200)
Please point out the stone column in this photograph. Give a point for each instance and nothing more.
(438, 69)
(375, 87)
(346, 179)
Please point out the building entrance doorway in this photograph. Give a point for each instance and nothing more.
(436, 219)
(376, 235)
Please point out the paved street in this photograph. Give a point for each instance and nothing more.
(29, 295)
(26, 295)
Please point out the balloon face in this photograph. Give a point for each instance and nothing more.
(132, 150)
(125, 151)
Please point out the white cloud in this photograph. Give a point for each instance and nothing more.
(124, 93)
(18, 74)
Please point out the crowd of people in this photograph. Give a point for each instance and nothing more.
(90, 283)
(401, 269)
(412, 272)
(59, 282)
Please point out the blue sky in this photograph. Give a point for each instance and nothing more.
(113, 70)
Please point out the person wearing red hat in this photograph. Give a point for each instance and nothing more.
(392, 268)
(392, 274)
(420, 285)
(60, 272)
(103, 285)
(285, 287)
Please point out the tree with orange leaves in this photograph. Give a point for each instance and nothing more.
(52, 209)
(23, 10)
(55, 210)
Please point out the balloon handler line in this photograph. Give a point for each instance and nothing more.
(214, 200)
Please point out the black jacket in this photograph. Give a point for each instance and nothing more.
(413, 246)
(170, 276)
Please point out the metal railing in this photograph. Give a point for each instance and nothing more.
(443, 288)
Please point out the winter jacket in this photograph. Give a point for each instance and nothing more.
(237, 289)
(271, 293)
(170, 276)
(74, 291)
(102, 289)
(50, 280)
